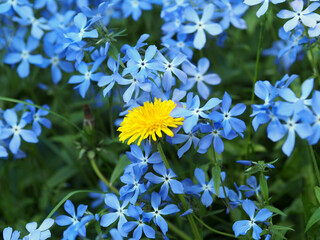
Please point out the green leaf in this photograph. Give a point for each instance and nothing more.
(216, 172)
(264, 187)
(61, 176)
(118, 170)
(281, 228)
(315, 217)
(317, 192)
(275, 210)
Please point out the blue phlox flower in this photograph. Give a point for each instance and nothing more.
(235, 198)
(134, 184)
(38, 26)
(3, 151)
(157, 213)
(192, 111)
(18, 5)
(167, 178)
(37, 118)
(51, 5)
(115, 234)
(295, 104)
(40, 233)
(206, 187)
(8, 233)
(57, 62)
(76, 222)
(243, 226)
(139, 224)
(110, 80)
(140, 43)
(97, 13)
(307, 16)
(198, 76)
(134, 8)
(136, 83)
(170, 68)
(264, 7)
(227, 117)
(181, 45)
(22, 53)
(81, 29)
(15, 129)
(120, 212)
(252, 188)
(99, 197)
(189, 138)
(200, 25)
(141, 66)
(84, 80)
(214, 137)
(232, 12)
(136, 155)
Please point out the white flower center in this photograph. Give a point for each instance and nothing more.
(16, 129)
(180, 44)
(88, 75)
(25, 54)
(199, 77)
(54, 60)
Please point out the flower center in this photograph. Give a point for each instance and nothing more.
(180, 44)
(16, 129)
(215, 132)
(35, 117)
(200, 25)
(25, 54)
(54, 60)
(226, 116)
(88, 75)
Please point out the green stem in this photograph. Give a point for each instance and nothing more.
(314, 62)
(178, 231)
(212, 229)
(193, 225)
(67, 197)
(102, 177)
(120, 97)
(110, 115)
(314, 160)
(37, 106)
(226, 198)
(255, 78)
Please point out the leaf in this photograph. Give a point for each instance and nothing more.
(315, 217)
(317, 192)
(61, 176)
(282, 228)
(264, 187)
(118, 170)
(216, 172)
(275, 210)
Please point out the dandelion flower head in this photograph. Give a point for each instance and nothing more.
(149, 121)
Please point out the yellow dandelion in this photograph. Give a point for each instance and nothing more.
(149, 121)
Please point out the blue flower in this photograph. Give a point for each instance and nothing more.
(136, 83)
(7, 232)
(139, 225)
(40, 233)
(171, 67)
(134, 184)
(307, 17)
(198, 76)
(214, 137)
(235, 198)
(141, 66)
(51, 5)
(243, 226)
(157, 212)
(253, 187)
(88, 75)
(133, 7)
(112, 202)
(76, 222)
(200, 25)
(22, 52)
(37, 118)
(99, 197)
(188, 138)
(18, 5)
(181, 45)
(262, 10)
(137, 157)
(167, 178)
(16, 129)
(3, 150)
(81, 27)
(206, 187)
(313, 118)
(227, 117)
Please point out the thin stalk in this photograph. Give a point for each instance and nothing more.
(212, 229)
(120, 96)
(255, 78)
(67, 197)
(178, 231)
(314, 160)
(101, 176)
(314, 62)
(193, 225)
(110, 115)
(226, 198)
